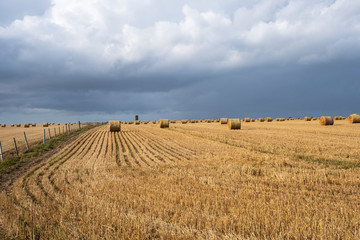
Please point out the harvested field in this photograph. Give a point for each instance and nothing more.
(269, 180)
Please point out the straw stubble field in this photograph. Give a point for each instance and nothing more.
(292, 180)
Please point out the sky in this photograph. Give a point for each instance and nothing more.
(65, 60)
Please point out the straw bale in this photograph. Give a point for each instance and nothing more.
(354, 118)
(326, 120)
(234, 124)
(164, 123)
(114, 126)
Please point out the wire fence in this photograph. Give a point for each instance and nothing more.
(13, 140)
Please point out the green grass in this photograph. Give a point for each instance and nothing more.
(10, 163)
(14, 162)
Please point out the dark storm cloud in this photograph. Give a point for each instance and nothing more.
(320, 89)
(189, 60)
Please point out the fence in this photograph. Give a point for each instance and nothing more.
(17, 141)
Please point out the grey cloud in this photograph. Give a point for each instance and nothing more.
(188, 60)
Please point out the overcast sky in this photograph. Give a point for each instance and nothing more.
(66, 60)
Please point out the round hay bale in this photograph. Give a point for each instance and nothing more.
(164, 123)
(3, 125)
(33, 125)
(307, 118)
(234, 124)
(326, 120)
(184, 121)
(268, 119)
(314, 119)
(45, 124)
(354, 118)
(18, 125)
(12, 125)
(223, 120)
(252, 120)
(260, 120)
(246, 120)
(114, 126)
(137, 123)
(26, 125)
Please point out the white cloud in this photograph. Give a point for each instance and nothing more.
(199, 36)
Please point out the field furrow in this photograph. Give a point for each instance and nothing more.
(30, 183)
(137, 149)
(128, 153)
(145, 150)
(44, 180)
(56, 179)
(163, 149)
(135, 158)
(159, 151)
(151, 149)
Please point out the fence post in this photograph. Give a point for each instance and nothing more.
(16, 149)
(63, 129)
(44, 139)
(49, 134)
(55, 132)
(26, 141)
(59, 131)
(79, 125)
(1, 153)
